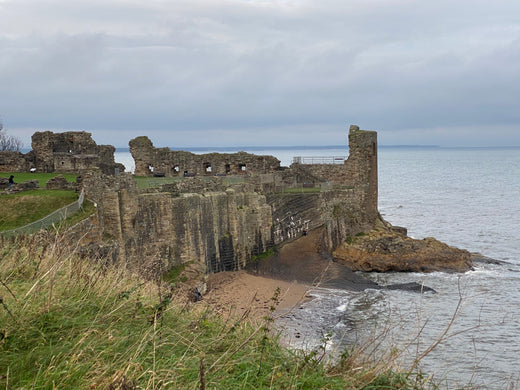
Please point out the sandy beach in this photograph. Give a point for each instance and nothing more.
(242, 294)
(296, 268)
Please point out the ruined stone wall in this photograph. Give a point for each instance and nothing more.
(359, 172)
(151, 161)
(13, 162)
(71, 152)
(362, 168)
(223, 227)
(222, 230)
(337, 174)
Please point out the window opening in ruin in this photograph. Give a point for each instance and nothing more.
(176, 168)
(150, 168)
(228, 168)
(242, 167)
(63, 163)
(207, 167)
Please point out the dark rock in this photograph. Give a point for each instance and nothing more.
(416, 287)
(28, 185)
(481, 259)
(57, 183)
(385, 250)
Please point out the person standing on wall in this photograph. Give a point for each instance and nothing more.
(11, 181)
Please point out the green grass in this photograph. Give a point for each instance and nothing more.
(21, 208)
(151, 182)
(174, 275)
(43, 178)
(264, 255)
(304, 190)
(71, 322)
(86, 211)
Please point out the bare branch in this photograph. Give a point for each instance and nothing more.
(9, 142)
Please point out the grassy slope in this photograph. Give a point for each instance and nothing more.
(67, 321)
(24, 207)
(43, 178)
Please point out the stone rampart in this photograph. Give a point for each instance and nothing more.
(223, 230)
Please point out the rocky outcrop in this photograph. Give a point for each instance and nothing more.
(386, 249)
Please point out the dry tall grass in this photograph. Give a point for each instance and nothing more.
(69, 320)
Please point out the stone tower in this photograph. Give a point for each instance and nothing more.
(361, 166)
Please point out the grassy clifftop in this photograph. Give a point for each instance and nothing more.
(42, 177)
(21, 208)
(68, 320)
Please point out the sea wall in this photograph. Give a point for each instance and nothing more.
(221, 230)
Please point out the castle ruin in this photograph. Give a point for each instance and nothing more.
(68, 152)
(225, 216)
(151, 161)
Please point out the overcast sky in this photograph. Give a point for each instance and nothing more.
(262, 72)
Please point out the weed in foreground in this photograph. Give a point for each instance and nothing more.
(71, 322)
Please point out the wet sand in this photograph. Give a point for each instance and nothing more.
(304, 261)
(241, 294)
(295, 269)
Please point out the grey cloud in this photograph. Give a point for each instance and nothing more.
(204, 66)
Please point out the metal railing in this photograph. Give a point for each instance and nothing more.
(52, 218)
(319, 160)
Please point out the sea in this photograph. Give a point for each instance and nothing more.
(467, 332)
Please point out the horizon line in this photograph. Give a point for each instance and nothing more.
(285, 147)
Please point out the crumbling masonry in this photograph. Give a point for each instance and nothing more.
(151, 161)
(243, 205)
(69, 152)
